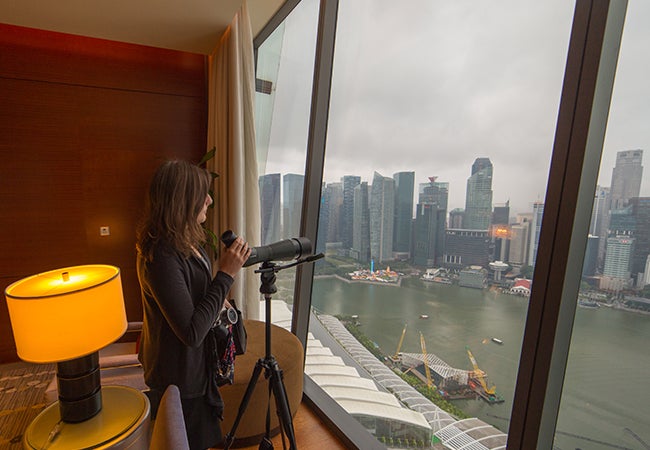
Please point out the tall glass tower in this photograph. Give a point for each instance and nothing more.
(535, 229)
(270, 207)
(478, 200)
(403, 219)
(382, 205)
(626, 178)
(349, 182)
(430, 226)
(361, 224)
(292, 186)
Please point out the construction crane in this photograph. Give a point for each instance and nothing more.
(426, 362)
(479, 374)
(399, 345)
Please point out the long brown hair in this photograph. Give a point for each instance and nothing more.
(177, 194)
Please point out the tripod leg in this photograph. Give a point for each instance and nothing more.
(282, 404)
(230, 437)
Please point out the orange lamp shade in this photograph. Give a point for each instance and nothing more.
(66, 313)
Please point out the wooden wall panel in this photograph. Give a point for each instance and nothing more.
(83, 125)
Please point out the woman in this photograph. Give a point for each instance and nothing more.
(181, 299)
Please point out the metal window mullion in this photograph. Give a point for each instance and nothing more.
(584, 107)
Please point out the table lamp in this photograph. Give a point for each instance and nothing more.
(66, 316)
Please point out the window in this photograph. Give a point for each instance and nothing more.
(435, 109)
(456, 105)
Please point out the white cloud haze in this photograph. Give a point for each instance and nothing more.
(429, 86)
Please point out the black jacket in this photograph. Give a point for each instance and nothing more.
(180, 300)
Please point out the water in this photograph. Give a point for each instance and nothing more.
(605, 395)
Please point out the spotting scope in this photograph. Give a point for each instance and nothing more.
(284, 250)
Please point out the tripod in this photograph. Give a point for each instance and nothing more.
(272, 370)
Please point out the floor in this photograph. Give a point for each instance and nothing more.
(310, 431)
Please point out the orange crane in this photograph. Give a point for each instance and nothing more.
(426, 363)
(399, 345)
(479, 374)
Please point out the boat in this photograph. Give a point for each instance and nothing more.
(424, 316)
(588, 304)
(497, 341)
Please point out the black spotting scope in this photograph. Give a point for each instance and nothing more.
(285, 250)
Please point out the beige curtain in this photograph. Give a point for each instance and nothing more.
(231, 131)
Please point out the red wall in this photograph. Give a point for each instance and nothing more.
(83, 124)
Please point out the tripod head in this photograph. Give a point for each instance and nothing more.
(268, 269)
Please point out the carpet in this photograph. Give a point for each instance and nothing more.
(22, 397)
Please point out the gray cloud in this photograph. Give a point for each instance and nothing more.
(430, 86)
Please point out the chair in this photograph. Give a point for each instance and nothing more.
(169, 432)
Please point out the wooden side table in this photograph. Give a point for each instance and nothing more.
(122, 423)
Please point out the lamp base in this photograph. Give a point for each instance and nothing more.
(79, 385)
(123, 423)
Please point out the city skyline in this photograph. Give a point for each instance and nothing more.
(473, 95)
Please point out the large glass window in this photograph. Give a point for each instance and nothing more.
(604, 404)
(285, 64)
(442, 122)
(441, 128)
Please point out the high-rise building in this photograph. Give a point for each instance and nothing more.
(403, 212)
(467, 248)
(429, 224)
(500, 231)
(600, 220)
(478, 200)
(535, 229)
(456, 218)
(616, 274)
(270, 207)
(641, 212)
(591, 256)
(292, 187)
(501, 214)
(361, 224)
(626, 178)
(349, 182)
(332, 203)
(382, 205)
(519, 238)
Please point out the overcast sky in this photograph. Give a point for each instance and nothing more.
(429, 86)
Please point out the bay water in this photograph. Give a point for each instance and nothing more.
(606, 401)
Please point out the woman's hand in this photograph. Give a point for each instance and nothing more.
(233, 258)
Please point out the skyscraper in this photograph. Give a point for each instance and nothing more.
(349, 182)
(270, 207)
(535, 229)
(478, 200)
(600, 220)
(292, 186)
(626, 178)
(403, 212)
(429, 227)
(501, 231)
(361, 224)
(641, 212)
(616, 274)
(519, 238)
(330, 220)
(382, 205)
